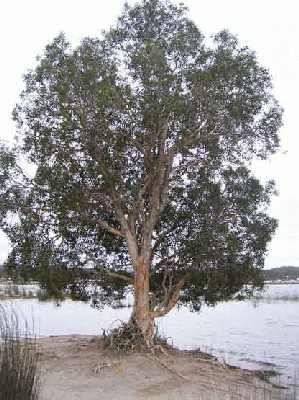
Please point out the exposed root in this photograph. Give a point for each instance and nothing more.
(129, 338)
(164, 365)
(125, 338)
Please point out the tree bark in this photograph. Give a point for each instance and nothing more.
(142, 315)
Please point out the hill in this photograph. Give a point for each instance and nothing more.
(282, 273)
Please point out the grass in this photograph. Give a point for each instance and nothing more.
(19, 374)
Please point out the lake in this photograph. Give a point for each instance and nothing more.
(261, 333)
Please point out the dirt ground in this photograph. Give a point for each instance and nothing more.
(78, 367)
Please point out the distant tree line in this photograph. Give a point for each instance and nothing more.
(282, 273)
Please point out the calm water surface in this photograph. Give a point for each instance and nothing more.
(255, 334)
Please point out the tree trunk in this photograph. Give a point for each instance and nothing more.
(142, 315)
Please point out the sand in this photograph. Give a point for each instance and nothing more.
(79, 367)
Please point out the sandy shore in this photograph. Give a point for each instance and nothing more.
(78, 367)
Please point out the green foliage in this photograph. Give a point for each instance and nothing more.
(104, 121)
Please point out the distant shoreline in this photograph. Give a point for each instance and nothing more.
(281, 282)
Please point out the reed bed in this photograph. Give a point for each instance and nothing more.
(19, 373)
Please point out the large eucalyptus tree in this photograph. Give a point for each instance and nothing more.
(142, 142)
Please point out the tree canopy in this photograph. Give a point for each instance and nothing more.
(142, 142)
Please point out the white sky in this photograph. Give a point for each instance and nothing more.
(270, 27)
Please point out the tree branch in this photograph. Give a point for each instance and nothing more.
(159, 191)
(107, 227)
(172, 300)
(120, 276)
(116, 275)
(128, 233)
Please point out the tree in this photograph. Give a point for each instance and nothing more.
(142, 143)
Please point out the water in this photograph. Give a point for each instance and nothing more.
(255, 334)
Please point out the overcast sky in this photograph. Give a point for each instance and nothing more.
(270, 28)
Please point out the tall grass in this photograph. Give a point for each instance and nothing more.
(19, 375)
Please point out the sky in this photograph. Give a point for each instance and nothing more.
(270, 27)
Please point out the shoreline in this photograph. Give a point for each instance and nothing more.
(79, 367)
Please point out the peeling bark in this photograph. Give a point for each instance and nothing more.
(141, 312)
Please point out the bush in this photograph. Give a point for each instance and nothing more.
(19, 377)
